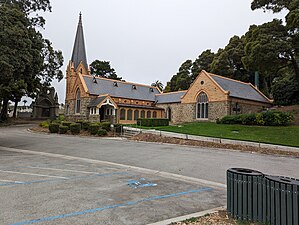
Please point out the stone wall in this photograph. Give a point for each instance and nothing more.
(70, 110)
(217, 110)
(246, 107)
(180, 113)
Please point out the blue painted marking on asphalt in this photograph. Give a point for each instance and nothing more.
(63, 180)
(63, 216)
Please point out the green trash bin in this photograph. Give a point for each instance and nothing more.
(245, 194)
(282, 200)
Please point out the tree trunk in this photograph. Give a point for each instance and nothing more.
(296, 69)
(3, 115)
(15, 109)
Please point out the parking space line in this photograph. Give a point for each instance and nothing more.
(33, 174)
(179, 177)
(55, 169)
(12, 181)
(64, 216)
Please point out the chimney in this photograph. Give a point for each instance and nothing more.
(256, 79)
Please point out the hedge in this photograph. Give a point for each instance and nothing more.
(152, 122)
(106, 126)
(85, 125)
(54, 127)
(75, 128)
(101, 132)
(93, 128)
(66, 123)
(63, 129)
(269, 118)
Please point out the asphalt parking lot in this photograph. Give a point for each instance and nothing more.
(37, 189)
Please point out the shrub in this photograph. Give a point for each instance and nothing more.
(75, 128)
(106, 126)
(80, 122)
(151, 122)
(66, 123)
(44, 124)
(63, 129)
(85, 125)
(269, 118)
(93, 128)
(61, 117)
(101, 132)
(53, 127)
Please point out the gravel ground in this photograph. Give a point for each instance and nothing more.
(219, 218)
(157, 138)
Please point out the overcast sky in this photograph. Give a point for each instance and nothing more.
(147, 40)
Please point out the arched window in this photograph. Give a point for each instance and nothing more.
(130, 114)
(202, 106)
(148, 114)
(154, 114)
(142, 114)
(122, 114)
(136, 114)
(78, 101)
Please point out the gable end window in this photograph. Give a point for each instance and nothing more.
(202, 106)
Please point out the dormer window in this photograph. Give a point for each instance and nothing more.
(134, 87)
(115, 84)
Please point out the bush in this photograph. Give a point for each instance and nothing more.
(75, 128)
(269, 118)
(61, 118)
(44, 124)
(106, 126)
(85, 125)
(53, 127)
(63, 129)
(151, 122)
(93, 128)
(66, 123)
(101, 132)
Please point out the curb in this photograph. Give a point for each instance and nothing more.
(186, 217)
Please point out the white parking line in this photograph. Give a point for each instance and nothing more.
(144, 170)
(12, 181)
(33, 174)
(76, 171)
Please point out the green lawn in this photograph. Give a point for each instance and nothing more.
(288, 136)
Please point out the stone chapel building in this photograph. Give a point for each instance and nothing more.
(99, 99)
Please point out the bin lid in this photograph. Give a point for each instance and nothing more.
(245, 171)
(283, 180)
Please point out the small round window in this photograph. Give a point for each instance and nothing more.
(202, 82)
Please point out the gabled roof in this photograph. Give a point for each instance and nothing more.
(171, 97)
(95, 102)
(239, 89)
(114, 88)
(79, 52)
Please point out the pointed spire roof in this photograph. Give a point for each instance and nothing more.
(79, 52)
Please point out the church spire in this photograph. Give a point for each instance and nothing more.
(79, 53)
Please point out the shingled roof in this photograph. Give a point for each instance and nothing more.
(171, 97)
(239, 89)
(114, 88)
(79, 52)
